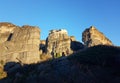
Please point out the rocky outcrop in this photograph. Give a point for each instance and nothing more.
(75, 45)
(6, 30)
(58, 42)
(19, 44)
(42, 46)
(72, 38)
(23, 44)
(92, 37)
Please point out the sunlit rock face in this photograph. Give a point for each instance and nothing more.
(58, 42)
(92, 37)
(5, 30)
(19, 44)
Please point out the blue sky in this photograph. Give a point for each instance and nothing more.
(73, 15)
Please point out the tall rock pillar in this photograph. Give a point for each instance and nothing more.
(58, 42)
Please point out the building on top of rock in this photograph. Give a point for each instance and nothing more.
(92, 37)
(58, 31)
(58, 42)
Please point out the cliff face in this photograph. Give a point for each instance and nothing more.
(92, 37)
(58, 42)
(19, 44)
(22, 44)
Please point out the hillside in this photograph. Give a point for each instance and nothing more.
(98, 64)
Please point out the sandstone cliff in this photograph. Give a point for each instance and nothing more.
(58, 42)
(23, 44)
(92, 37)
(19, 44)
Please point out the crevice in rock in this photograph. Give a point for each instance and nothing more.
(10, 36)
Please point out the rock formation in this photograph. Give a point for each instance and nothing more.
(92, 37)
(72, 38)
(23, 44)
(19, 44)
(76, 45)
(58, 42)
(42, 45)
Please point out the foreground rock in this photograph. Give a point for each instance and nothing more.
(19, 44)
(98, 64)
(92, 37)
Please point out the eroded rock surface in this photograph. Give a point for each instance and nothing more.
(92, 37)
(58, 42)
(19, 44)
